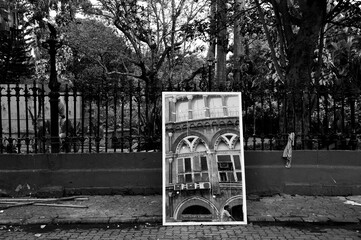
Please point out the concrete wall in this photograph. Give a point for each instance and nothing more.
(108, 173)
(312, 173)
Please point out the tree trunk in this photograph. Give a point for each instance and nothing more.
(298, 76)
(212, 41)
(238, 45)
(222, 45)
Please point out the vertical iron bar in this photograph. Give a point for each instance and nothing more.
(262, 123)
(90, 126)
(82, 121)
(342, 115)
(318, 112)
(106, 121)
(146, 94)
(270, 133)
(139, 116)
(302, 121)
(309, 118)
(335, 121)
(1, 122)
(285, 113)
(35, 116)
(74, 139)
(17, 94)
(114, 138)
(122, 121)
(42, 110)
(254, 126)
(10, 140)
(279, 117)
(67, 140)
(352, 109)
(66, 99)
(27, 140)
(326, 122)
(294, 111)
(130, 114)
(97, 138)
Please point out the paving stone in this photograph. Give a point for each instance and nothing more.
(138, 208)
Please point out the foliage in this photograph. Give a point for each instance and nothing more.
(154, 31)
(97, 54)
(344, 61)
(15, 60)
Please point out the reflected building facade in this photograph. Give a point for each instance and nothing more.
(203, 158)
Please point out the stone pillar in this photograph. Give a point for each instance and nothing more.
(190, 108)
(207, 113)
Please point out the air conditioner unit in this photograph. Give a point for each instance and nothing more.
(204, 185)
(178, 187)
(191, 186)
(225, 166)
(169, 188)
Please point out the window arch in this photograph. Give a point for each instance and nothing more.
(192, 162)
(227, 141)
(227, 147)
(192, 143)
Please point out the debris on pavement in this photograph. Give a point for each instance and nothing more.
(352, 203)
(50, 202)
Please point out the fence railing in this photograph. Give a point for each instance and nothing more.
(104, 121)
(126, 119)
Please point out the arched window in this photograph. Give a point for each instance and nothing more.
(228, 158)
(192, 163)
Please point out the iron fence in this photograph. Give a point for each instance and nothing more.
(127, 118)
(100, 121)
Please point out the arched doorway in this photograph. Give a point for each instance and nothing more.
(237, 212)
(196, 213)
(196, 209)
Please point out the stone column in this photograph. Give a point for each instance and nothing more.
(190, 108)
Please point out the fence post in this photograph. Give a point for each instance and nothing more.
(52, 44)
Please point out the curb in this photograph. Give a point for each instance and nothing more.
(158, 220)
(95, 220)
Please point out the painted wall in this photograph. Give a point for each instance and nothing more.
(107, 173)
(312, 173)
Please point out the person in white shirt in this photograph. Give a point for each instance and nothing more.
(225, 214)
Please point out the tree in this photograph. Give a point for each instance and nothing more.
(299, 31)
(222, 44)
(238, 35)
(36, 16)
(16, 64)
(344, 58)
(15, 58)
(156, 32)
(94, 61)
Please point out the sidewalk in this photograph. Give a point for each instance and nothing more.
(148, 209)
